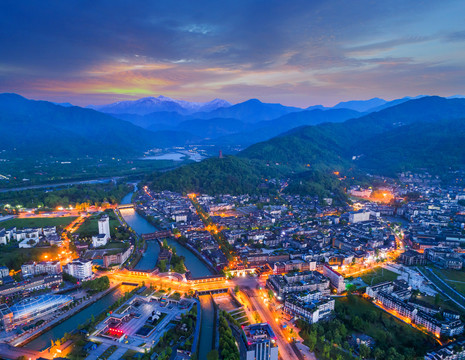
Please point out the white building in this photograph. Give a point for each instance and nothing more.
(359, 216)
(104, 225)
(336, 279)
(28, 243)
(4, 271)
(103, 232)
(81, 269)
(44, 267)
(313, 310)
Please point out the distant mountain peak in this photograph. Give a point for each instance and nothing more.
(160, 103)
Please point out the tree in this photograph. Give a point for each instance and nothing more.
(162, 265)
(213, 355)
(311, 341)
(364, 351)
(378, 354)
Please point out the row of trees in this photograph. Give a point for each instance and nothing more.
(228, 348)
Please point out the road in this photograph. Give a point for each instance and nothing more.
(441, 285)
(45, 186)
(254, 301)
(249, 287)
(285, 349)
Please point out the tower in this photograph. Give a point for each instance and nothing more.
(104, 225)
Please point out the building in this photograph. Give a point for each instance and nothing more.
(104, 225)
(29, 309)
(103, 232)
(81, 269)
(336, 279)
(4, 272)
(118, 258)
(6, 317)
(260, 342)
(359, 192)
(35, 283)
(387, 287)
(310, 310)
(447, 326)
(293, 265)
(296, 282)
(392, 302)
(451, 351)
(359, 216)
(44, 267)
(412, 257)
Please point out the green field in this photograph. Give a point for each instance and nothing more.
(444, 302)
(454, 278)
(37, 222)
(378, 275)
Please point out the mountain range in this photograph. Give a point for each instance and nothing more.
(36, 129)
(403, 134)
(428, 132)
(149, 105)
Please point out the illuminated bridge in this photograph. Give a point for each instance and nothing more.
(126, 206)
(212, 291)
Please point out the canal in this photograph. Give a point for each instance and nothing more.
(70, 324)
(206, 327)
(197, 268)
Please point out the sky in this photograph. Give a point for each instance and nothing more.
(299, 53)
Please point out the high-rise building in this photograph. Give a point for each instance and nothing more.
(336, 279)
(81, 269)
(103, 232)
(260, 342)
(104, 225)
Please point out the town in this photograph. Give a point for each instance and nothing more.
(271, 270)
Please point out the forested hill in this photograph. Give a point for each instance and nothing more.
(331, 144)
(40, 128)
(410, 135)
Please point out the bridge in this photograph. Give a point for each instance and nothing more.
(212, 291)
(157, 235)
(126, 206)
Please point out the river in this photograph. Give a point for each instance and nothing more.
(141, 226)
(197, 268)
(44, 340)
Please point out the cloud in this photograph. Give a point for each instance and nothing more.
(98, 51)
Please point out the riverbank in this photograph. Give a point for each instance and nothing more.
(20, 341)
